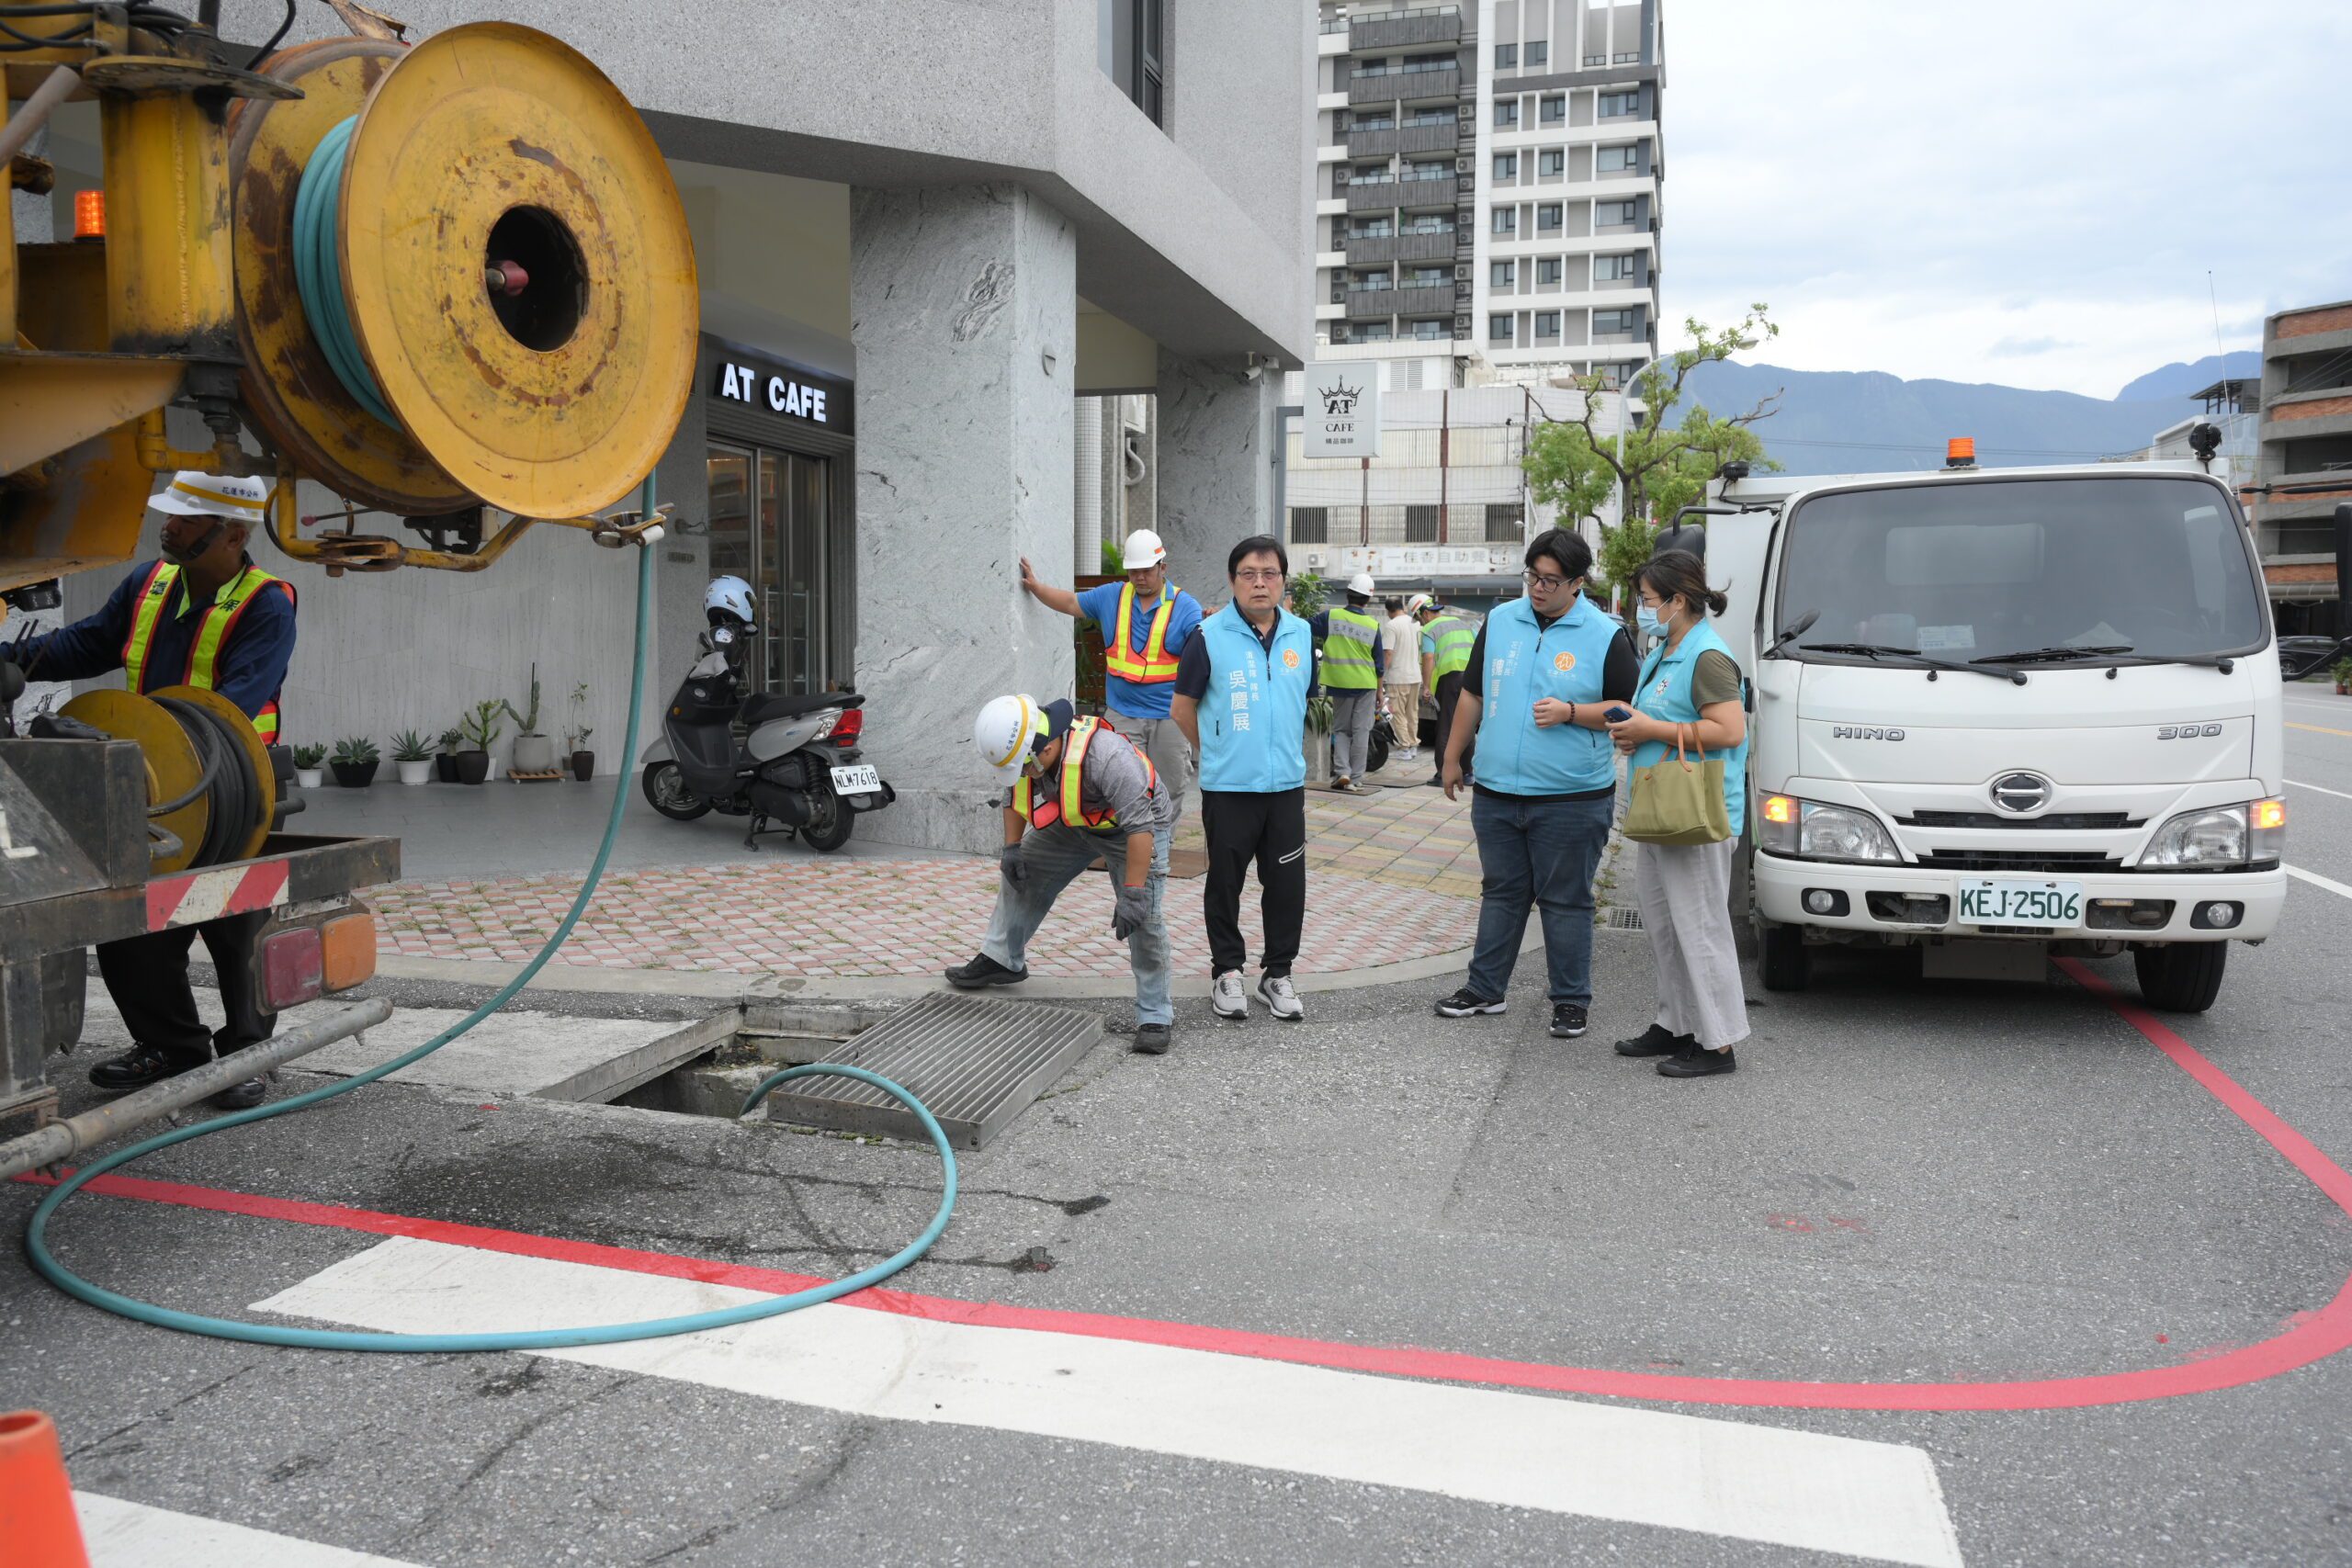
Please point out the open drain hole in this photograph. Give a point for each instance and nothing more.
(760, 1043)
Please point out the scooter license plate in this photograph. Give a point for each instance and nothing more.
(859, 780)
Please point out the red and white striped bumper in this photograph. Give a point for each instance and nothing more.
(199, 896)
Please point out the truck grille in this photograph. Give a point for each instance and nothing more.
(2065, 821)
(2059, 861)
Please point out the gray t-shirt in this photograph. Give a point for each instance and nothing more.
(1115, 778)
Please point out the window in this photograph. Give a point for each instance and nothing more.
(1383, 120)
(1506, 523)
(1505, 220)
(1551, 162)
(1368, 174)
(1547, 270)
(1428, 224)
(1621, 159)
(1616, 269)
(1128, 35)
(1505, 165)
(1311, 524)
(1592, 59)
(1612, 215)
(1613, 322)
(1427, 278)
(1505, 56)
(1429, 331)
(1418, 63)
(1626, 57)
(1619, 106)
(1430, 169)
(1504, 275)
(1547, 323)
(1429, 117)
(1506, 114)
(1548, 216)
(1498, 329)
(1554, 108)
(1371, 228)
(1377, 332)
(1539, 53)
(1370, 280)
(1421, 525)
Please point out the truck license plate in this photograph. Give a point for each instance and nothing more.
(2021, 903)
(861, 780)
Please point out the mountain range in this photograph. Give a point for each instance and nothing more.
(1832, 422)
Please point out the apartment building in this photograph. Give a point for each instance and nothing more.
(2303, 470)
(1486, 185)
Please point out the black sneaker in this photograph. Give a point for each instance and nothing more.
(1152, 1039)
(138, 1068)
(1654, 1042)
(1567, 1020)
(243, 1096)
(1467, 1003)
(1694, 1061)
(984, 970)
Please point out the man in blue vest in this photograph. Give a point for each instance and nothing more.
(1241, 701)
(1543, 675)
(1146, 622)
(203, 616)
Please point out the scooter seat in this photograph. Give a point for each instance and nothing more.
(761, 707)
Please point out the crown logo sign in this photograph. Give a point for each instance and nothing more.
(1340, 399)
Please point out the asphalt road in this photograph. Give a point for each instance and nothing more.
(1906, 1182)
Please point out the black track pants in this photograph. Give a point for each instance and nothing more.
(1271, 831)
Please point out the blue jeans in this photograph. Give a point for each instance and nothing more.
(1543, 852)
(1054, 856)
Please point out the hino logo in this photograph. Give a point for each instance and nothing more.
(2021, 791)
(2187, 731)
(1862, 732)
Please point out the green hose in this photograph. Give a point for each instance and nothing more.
(36, 1232)
(317, 270)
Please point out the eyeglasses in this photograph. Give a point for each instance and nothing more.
(1545, 580)
(1257, 574)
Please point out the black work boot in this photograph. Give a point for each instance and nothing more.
(1654, 1042)
(1695, 1061)
(139, 1067)
(984, 970)
(243, 1096)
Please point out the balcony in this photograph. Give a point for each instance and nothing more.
(1404, 138)
(1394, 30)
(1389, 85)
(1427, 191)
(1436, 245)
(1425, 299)
(1379, 196)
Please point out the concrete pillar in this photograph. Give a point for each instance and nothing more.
(964, 314)
(1216, 482)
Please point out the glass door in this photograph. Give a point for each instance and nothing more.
(768, 526)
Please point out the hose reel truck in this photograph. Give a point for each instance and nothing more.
(449, 281)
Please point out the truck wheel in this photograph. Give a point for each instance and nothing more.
(2182, 977)
(665, 787)
(1781, 960)
(829, 820)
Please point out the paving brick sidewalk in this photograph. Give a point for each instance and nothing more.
(1394, 877)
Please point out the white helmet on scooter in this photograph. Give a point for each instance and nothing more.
(727, 598)
(1009, 730)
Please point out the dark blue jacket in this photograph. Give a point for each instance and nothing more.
(250, 670)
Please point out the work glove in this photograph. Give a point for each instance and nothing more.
(1009, 860)
(1134, 911)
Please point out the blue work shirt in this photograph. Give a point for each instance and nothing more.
(1101, 605)
(249, 671)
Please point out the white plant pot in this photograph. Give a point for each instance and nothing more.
(309, 778)
(416, 773)
(534, 755)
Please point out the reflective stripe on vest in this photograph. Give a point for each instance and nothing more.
(1155, 665)
(1070, 806)
(1347, 652)
(204, 654)
(1455, 637)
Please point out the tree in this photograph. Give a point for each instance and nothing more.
(1574, 469)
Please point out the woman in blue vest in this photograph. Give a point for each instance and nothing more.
(1542, 671)
(1690, 690)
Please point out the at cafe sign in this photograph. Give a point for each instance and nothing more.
(778, 392)
(1341, 418)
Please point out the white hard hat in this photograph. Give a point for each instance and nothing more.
(1007, 730)
(1417, 604)
(1361, 583)
(195, 494)
(1142, 549)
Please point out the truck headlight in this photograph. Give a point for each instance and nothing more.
(1811, 830)
(2221, 835)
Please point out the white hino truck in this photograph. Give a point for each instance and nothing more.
(1999, 715)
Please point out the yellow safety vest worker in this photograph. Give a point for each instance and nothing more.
(1347, 652)
(1044, 810)
(204, 654)
(1155, 665)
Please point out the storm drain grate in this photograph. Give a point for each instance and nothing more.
(1620, 919)
(976, 1062)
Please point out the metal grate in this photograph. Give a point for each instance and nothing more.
(2060, 821)
(2058, 861)
(977, 1063)
(1617, 918)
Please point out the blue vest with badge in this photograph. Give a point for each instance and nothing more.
(1253, 716)
(1665, 693)
(1524, 665)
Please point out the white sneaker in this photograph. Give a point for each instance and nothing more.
(1226, 998)
(1281, 998)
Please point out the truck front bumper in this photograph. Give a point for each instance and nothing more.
(1909, 900)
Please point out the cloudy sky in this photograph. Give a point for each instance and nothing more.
(2027, 193)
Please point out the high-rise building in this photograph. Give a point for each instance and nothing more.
(1486, 188)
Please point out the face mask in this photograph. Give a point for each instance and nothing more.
(193, 550)
(1650, 621)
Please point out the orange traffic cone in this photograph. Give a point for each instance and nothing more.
(36, 1503)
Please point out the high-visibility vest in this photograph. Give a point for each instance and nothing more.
(1066, 805)
(1347, 652)
(1455, 637)
(204, 654)
(1155, 665)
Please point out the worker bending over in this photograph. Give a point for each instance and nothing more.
(1080, 790)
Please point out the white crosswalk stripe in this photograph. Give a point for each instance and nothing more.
(119, 1534)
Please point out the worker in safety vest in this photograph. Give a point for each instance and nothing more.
(1080, 790)
(1146, 622)
(1447, 638)
(203, 616)
(1353, 663)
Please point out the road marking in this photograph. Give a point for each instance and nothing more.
(132, 1535)
(1776, 1485)
(2319, 728)
(2321, 788)
(2316, 880)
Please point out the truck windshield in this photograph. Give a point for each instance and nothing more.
(2039, 571)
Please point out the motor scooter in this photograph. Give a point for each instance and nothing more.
(787, 760)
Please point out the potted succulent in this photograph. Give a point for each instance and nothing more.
(444, 762)
(354, 762)
(534, 752)
(482, 727)
(576, 734)
(310, 766)
(414, 755)
(2342, 670)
